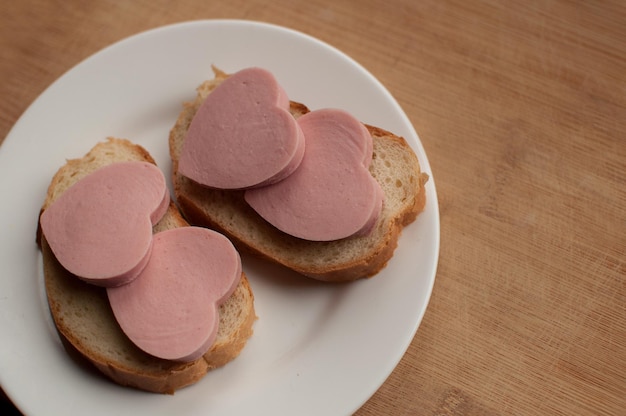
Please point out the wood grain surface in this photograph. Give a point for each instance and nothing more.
(521, 107)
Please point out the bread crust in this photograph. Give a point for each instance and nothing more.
(85, 321)
(394, 165)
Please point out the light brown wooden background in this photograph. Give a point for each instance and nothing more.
(521, 107)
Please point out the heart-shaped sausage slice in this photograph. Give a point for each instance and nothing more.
(171, 309)
(100, 229)
(243, 134)
(331, 195)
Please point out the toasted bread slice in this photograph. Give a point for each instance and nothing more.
(84, 318)
(394, 166)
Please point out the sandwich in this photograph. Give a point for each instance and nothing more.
(83, 314)
(393, 165)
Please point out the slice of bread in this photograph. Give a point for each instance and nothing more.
(84, 318)
(394, 166)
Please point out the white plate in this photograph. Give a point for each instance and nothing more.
(317, 349)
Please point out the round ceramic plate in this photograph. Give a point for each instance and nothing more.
(317, 349)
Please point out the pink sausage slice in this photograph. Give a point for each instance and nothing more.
(171, 309)
(243, 134)
(331, 195)
(100, 229)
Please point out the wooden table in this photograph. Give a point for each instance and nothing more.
(521, 107)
